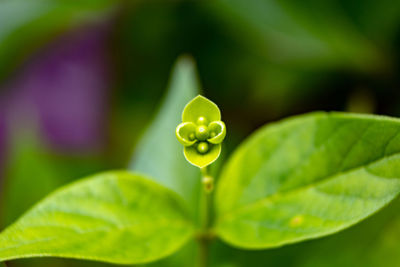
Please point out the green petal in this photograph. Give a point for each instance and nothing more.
(218, 127)
(183, 132)
(201, 107)
(202, 160)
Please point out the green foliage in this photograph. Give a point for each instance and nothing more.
(201, 131)
(113, 217)
(299, 179)
(371, 243)
(308, 177)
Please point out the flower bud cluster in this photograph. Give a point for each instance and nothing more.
(201, 132)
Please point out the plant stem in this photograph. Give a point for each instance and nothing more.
(203, 253)
(205, 213)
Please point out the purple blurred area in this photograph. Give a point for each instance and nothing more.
(64, 88)
(3, 138)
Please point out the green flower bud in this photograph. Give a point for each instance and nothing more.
(202, 133)
(202, 121)
(208, 183)
(202, 147)
(192, 136)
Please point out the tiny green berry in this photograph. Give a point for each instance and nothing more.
(192, 136)
(212, 134)
(202, 147)
(202, 121)
(202, 133)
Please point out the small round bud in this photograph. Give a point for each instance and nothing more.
(212, 134)
(202, 121)
(201, 133)
(208, 183)
(202, 147)
(192, 136)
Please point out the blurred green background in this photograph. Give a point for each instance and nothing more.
(80, 81)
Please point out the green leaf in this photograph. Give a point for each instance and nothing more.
(308, 177)
(158, 154)
(116, 217)
(360, 245)
(371, 243)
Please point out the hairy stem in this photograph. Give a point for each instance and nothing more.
(205, 211)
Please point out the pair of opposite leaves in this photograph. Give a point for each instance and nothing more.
(302, 178)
